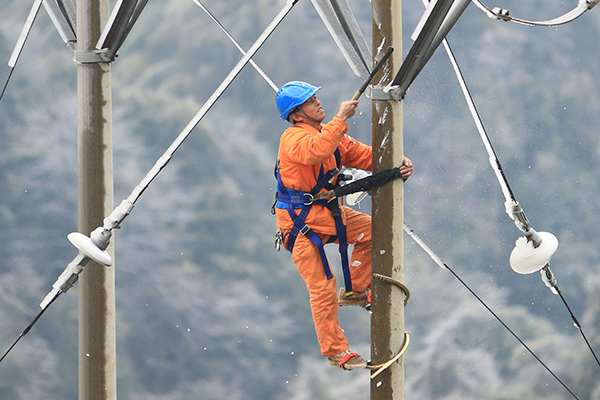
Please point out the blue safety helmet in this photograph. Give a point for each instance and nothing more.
(293, 94)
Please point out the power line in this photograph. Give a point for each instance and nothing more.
(26, 330)
(6, 83)
(513, 209)
(443, 265)
(550, 281)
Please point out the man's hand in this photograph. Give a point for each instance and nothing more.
(406, 169)
(347, 109)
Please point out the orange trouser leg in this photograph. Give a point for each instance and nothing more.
(323, 296)
(358, 233)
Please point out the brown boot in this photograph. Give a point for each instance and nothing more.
(361, 299)
(347, 360)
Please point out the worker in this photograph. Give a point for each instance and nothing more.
(310, 157)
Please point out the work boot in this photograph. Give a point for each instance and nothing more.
(361, 299)
(347, 360)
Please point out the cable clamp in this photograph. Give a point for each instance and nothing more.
(501, 14)
(549, 279)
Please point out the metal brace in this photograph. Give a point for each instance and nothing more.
(90, 56)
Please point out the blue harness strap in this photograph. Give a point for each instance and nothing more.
(292, 200)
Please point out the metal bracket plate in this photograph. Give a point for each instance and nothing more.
(387, 93)
(90, 56)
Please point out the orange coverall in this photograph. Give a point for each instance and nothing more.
(302, 150)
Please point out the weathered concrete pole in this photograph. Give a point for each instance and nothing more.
(97, 342)
(387, 324)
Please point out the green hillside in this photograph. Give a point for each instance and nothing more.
(206, 308)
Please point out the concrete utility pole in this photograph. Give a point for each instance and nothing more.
(387, 324)
(97, 338)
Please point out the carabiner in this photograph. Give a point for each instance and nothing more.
(311, 199)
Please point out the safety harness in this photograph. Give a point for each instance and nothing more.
(292, 200)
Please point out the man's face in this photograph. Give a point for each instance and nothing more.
(312, 107)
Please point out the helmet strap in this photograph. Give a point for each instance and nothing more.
(305, 115)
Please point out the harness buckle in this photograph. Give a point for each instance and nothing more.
(305, 230)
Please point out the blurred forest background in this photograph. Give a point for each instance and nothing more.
(206, 308)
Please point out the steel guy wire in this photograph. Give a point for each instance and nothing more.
(518, 216)
(29, 326)
(493, 158)
(235, 42)
(443, 265)
(578, 325)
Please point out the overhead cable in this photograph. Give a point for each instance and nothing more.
(550, 281)
(536, 256)
(26, 330)
(510, 201)
(161, 163)
(504, 15)
(443, 265)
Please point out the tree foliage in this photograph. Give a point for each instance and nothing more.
(205, 307)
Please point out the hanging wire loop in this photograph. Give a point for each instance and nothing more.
(504, 15)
